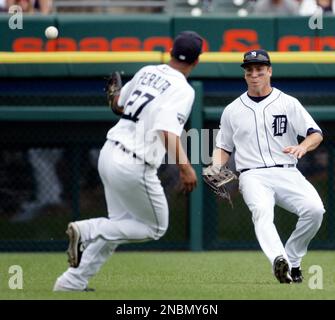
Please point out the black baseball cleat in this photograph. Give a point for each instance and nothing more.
(75, 249)
(281, 270)
(296, 275)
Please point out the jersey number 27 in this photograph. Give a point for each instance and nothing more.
(137, 103)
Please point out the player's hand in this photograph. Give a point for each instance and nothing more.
(297, 151)
(188, 178)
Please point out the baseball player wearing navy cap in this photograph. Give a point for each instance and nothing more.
(261, 127)
(155, 105)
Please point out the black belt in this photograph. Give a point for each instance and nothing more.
(117, 143)
(291, 165)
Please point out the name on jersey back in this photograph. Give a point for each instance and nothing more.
(155, 81)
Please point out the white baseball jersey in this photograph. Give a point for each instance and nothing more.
(157, 98)
(260, 131)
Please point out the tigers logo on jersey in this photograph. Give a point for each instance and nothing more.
(279, 125)
(181, 118)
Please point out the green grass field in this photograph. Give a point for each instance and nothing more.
(216, 275)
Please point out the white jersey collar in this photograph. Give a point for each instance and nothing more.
(165, 68)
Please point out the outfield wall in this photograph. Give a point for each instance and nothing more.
(309, 64)
(102, 32)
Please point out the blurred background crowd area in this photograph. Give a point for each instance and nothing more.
(187, 7)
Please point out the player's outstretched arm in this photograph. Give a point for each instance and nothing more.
(176, 151)
(310, 143)
(218, 175)
(115, 107)
(220, 157)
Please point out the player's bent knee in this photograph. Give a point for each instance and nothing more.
(316, 211)
(160, 232)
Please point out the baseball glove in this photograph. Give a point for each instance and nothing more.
(112, 89)
(217, 177)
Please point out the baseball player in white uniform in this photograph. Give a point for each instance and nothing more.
(155, 105)
(262, 127)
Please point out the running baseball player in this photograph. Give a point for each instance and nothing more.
(155, 105)
(262, 127)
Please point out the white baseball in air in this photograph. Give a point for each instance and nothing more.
(51, 32)
(238, 2)
(196, 12)
(193, 2)
(242, 12)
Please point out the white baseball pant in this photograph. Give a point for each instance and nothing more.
(137, 211)
(289, 189)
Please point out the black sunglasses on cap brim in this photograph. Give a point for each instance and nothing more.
(260, 57)
(255, 57)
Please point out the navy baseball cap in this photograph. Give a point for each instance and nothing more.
(256, 56)
(187, 46)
